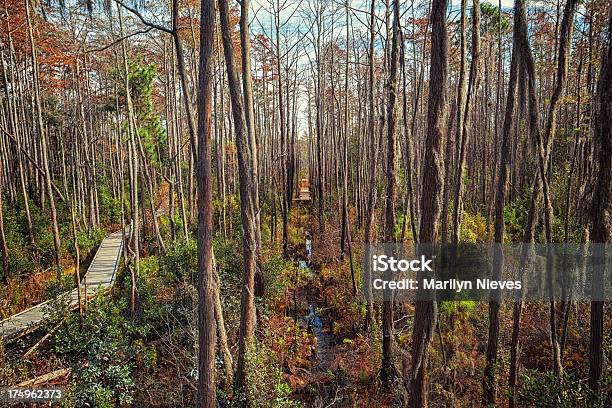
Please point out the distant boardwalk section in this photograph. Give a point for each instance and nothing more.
(303, 191)
(100, 276)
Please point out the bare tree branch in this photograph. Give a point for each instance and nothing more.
(142, 19)
(118, 40)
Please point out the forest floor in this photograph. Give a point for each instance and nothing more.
(310, 333)
(341, 367)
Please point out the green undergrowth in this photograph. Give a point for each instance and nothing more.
(548, 390)
(110, 346)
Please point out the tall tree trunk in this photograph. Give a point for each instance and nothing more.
(490, 372)
(542, 148)
(388, 369)
(16, 129)
(180, 62)
(460, 107)
(43, 141)
(372, 152)
(345, 164)
(247, 209)
(227, 355)
(408, 136)
(77, 260)
(528, 236)
(319, 96)
(3, 246)
(286, 195)
(247, 88)
(206, 397)
(601, 229)
(150, 189)
(437, 111)
(133, 170)
(463, 136)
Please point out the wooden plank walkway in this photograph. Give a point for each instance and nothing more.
(303, 191)
(99, 276)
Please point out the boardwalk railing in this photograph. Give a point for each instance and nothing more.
(99, 276)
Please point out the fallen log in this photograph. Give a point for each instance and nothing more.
(41, 341)
(45, 378)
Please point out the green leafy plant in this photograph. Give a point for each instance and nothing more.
(181, 260)
(266, 387)
(566, 391)
(103, 353)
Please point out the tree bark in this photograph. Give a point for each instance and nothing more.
(43, 142)
(542, 148)
(528, 236)
(225, 350)
(490, 372)
(463, 136)
(206, 394)
(133, 172)
(600, 210)
(460, 107)
(372, 152)
(437, 111)
(247, 208)
(247, 87)
(3, 246)
(388, 369)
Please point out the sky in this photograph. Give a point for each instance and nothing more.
(291, 16)
(263, 9)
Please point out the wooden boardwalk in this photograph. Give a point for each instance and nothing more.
(99, 276)
(303, 191)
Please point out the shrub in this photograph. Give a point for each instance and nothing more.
(20, 260)
(265, 384)
(110, 208)
(549, 390)
(399, 225)
(15, 227)
(181, 260)
(229, 257)
(45, 247)
(103, 352)
(102, 384)
(55, 287)
(515, 215)
(276, 280)
(89, 239)
(149, 287)
(473, 228)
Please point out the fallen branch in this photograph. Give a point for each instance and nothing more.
(189, 383)
(45, 378)
(41, 341)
